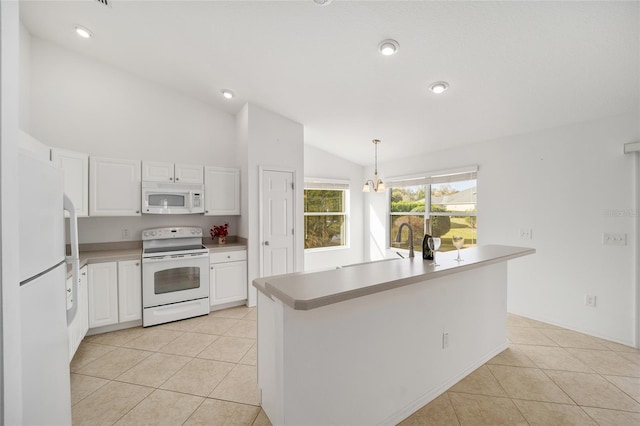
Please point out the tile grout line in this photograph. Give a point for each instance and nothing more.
(509, 396)
(455, 413)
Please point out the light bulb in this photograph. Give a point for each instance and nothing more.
(83, 32)
(228, 94)
(388, 47)
(439, 87)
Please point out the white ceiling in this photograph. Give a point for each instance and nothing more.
(513, 67)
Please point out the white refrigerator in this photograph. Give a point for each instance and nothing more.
(46, 391)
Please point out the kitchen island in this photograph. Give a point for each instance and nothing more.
(371, 343)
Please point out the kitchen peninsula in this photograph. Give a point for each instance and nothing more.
(371, 343)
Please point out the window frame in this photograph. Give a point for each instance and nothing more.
(426, 180)
(330, 185)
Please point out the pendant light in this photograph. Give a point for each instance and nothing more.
(376, 183)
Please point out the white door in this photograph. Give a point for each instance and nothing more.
(129, 290)
(103, 294)
(114, 187)
(277, 222)
(187, 173)
(221, 191)
(75, 166)
(153, 171)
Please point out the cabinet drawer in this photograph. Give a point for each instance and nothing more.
(228, 256)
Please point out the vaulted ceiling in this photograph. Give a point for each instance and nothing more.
(513, 67)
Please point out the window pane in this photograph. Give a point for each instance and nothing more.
(407, 199)
(324, 231)
(323, 201)
(447, 226)
(417, 224)
(454, 197)
(176, 279)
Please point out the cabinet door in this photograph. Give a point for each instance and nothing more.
(80, 324)
(83, 304)
(157, 172)
(221, 191)
(129, 290)
(103, 294)
(228, 282)
(115, 187)
(186, 173)
(75, 166)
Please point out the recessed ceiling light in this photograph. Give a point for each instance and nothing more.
(439, 87)
(228, 94)
(388, 47)
(322, 2)
(83, 32)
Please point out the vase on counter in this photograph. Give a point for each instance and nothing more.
(222, 239)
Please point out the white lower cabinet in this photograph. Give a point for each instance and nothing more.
(80, 324)
(129, 290)
(103, 294)
(228, 277)
(115, 292)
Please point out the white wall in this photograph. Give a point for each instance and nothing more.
(80, 104)
(11, 369)
(268, 139)
(321, 164)
(563, 183)
(25, 78)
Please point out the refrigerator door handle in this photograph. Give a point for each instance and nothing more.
(74, 259)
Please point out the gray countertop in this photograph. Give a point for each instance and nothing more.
(309, 290)
(101, 256)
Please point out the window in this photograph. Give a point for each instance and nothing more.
(441, 205)
(325, 214)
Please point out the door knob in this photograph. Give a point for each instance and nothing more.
(266, 243)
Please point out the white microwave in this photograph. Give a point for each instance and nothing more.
(172, 198)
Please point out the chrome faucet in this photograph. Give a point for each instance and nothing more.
(399, 237)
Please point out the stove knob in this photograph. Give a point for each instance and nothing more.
(193, 231)
(145, 233)
(199, 231)
(153, 234)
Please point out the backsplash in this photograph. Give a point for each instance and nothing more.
(119, 229)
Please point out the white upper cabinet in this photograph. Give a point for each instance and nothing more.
(153, 171)
(115, 187)
(75, 166)
(187, 173)
(221, 191)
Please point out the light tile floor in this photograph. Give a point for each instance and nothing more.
(199, 371)
(547, 376)
(202, 371)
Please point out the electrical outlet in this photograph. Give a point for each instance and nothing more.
(125, 233)
(590, 300)
(526, 233)
(614, 239)
(445, 340)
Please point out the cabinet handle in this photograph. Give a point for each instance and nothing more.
(206, 211)
(170, 178)
(137, 263)
(212, 268)
(84, 274)
(177, 179)
(266, 243)
(137, 211)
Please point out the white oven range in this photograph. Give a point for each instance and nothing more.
(175, 275)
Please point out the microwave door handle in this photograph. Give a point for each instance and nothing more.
(190, 206)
